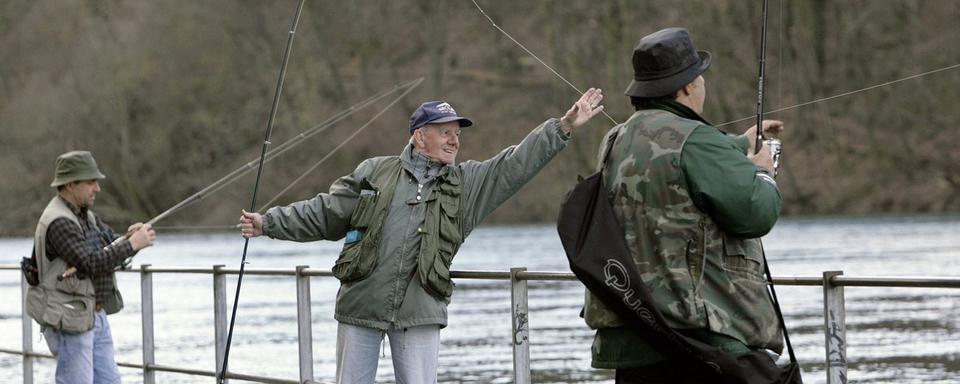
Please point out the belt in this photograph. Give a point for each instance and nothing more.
(98, 307)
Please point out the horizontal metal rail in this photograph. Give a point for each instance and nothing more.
(832, 283)
(841, 280)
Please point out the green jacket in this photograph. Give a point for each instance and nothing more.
(390, 295)
(690, 203)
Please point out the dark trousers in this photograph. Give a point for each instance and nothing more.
(666, 372)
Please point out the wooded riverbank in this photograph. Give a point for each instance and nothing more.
(172, 95)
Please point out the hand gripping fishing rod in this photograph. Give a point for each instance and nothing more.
(256, 186)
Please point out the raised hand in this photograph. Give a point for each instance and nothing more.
(583, 110)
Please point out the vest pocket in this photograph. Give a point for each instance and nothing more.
(366, 209)
(74, 286)
(436, 273)
(359, 253)
(65, 312)
(450, 236)
(439, 284)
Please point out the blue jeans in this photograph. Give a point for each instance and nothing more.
(415, 351)
(85, 358)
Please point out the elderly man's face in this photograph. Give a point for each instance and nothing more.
(440, 142)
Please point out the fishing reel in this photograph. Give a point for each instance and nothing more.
(776, 148)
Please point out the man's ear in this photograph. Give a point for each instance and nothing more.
(686, 90)
(418, 138)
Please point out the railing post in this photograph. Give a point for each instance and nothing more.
(520, 328)
(146, 314)
(304, 325)
(219, 315)
(834, 316)
(27, 323)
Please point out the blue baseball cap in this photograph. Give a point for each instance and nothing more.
(436, 112)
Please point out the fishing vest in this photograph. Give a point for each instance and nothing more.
(67, 304)
(700, 277)
(440, 236)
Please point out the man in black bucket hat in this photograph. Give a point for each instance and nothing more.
(692, 201)
(77, 287)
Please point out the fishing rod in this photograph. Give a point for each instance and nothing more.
(763, 52)
(529, 52)
(221, 375)
(775, 153)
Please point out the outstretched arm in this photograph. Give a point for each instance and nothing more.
(491, 182)
(323, 217)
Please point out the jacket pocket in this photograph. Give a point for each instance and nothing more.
(742, 256)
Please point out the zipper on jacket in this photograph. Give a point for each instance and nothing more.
(403, 252)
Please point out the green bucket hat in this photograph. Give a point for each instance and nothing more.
(76, 166)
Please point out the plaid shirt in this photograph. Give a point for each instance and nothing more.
(84, 249)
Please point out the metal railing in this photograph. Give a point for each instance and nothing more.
(832, 282)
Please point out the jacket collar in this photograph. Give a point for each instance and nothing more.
(420, 165)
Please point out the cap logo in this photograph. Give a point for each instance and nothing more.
(446, 108)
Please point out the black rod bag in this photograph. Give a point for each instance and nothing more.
(598, 254)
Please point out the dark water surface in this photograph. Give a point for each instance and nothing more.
(895, 335)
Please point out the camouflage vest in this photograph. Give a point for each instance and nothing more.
(700, 277)
(441, 235)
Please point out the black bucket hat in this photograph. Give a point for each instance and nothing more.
(664, 62)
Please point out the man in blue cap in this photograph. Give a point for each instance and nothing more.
(403, 219)
(694, 204)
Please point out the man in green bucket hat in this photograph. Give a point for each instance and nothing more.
(77, 288)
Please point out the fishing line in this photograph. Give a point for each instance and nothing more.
(193, 227)
(282, 148)
(408, 87)
(846, 93)
(534, 56)
(342, 143)
(273, 153)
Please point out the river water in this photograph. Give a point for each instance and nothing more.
(894, 335)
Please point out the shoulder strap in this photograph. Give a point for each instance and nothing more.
(776, 304)
(611, 139)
